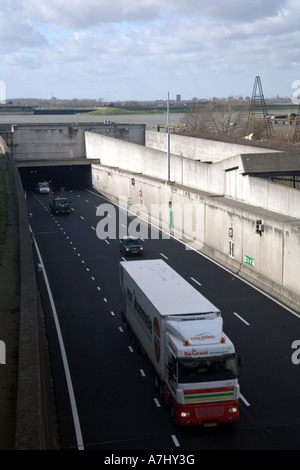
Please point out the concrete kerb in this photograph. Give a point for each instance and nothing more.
(32, 433)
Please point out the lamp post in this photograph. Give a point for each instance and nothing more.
(168, 144)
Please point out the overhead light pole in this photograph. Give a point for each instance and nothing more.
(168, 130)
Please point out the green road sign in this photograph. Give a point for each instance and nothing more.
(249, 260)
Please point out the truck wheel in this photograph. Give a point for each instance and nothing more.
(171, 408)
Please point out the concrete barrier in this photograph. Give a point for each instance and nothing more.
(35, 420)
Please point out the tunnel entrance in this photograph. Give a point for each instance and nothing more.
(67, 176)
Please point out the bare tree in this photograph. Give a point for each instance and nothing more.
(217, 117)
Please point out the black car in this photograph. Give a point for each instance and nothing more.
(131, 246)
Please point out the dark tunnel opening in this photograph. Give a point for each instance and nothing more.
(67, 176)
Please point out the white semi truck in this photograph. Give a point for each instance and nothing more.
(181, 332)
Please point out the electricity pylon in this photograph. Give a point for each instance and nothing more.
(258, 122)
(296, 137)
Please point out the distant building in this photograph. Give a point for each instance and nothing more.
(178, 97)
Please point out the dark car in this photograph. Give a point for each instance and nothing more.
(131, 246)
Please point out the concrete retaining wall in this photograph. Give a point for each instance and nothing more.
(35, 425)
(194, 148)
(63, 141)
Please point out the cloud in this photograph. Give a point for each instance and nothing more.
(94, 45)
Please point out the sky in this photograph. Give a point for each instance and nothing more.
(123, 50)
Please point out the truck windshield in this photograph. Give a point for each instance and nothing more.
(61, 202)
(195, 370)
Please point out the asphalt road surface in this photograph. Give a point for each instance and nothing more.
(104, 390)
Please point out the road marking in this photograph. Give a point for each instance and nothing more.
(93, 228)
(196, 281)
(82, 217)
(76, 421)
(175, 440)
(157, 402)
(105, 299)
(99, 288)
(242, 319)
(164, 255)
(112, 313)
(142, 373)
(130, 348)
(121, 329)
(106, 241)
(244, 400)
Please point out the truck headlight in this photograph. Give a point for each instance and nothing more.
(233, 410)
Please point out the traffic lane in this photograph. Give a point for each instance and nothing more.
(63, 274)
(265, 343)
(113, 396)
(160, 249)
(107, 270)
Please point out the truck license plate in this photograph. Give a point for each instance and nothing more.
(210, 424)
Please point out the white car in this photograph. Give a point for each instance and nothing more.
(43, 188)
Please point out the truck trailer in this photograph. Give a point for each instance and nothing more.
(194, 363)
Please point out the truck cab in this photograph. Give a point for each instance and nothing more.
(201, 372)
(60, 205)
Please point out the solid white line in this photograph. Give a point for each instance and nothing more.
(164, 255)
(175, 440)
(244, 400)
(79, 439)
(234, 313)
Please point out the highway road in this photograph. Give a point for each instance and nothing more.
(104, 390)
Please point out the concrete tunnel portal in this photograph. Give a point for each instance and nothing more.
(66, 176)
